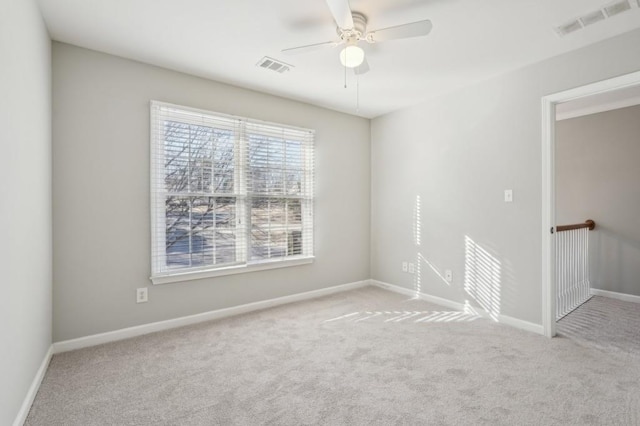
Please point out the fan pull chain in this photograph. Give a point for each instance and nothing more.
(357, 92)
(345, 75)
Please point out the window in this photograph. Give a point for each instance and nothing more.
(228, 194)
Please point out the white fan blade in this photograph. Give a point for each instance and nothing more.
(363, 68)
(341, 13)
(309, 47)
(415, 29)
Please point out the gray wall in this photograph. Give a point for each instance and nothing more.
(101, 194)
(458, 153)
(597, 177)
(25, 200)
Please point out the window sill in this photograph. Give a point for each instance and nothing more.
(230, 270)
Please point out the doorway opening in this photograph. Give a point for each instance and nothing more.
(559, 296)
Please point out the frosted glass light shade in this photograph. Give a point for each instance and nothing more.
(351, 56)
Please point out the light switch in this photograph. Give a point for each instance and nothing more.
(508, 195)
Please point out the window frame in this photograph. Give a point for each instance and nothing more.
(160, 274)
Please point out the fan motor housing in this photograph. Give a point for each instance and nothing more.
(359, 28)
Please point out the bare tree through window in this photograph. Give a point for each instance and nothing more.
(199, 177)
(233, 191)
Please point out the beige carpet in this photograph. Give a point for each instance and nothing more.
(358, 358)
(610, 324)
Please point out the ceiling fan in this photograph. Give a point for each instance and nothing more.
(352, 29)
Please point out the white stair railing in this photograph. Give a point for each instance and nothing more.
(572, 267)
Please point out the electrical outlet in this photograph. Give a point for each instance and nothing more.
(405, 266)
(142, 295)
(448, 275)
(412, 268)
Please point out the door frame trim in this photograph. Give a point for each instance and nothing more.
(549, 103)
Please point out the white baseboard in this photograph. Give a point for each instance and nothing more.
(503, 319)
(33, 389)
(126, 333)
(423, 296)
(521, 324)
(614, 295)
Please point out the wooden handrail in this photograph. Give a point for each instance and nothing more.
(588, 224)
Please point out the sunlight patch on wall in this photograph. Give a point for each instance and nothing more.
(417, 222)
(417, 231)
(421, 259)
(482, 277)
(417, 279)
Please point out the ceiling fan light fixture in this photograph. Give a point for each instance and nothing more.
(352, 56)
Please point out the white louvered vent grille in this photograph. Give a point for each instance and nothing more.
(617, 8)
(593, 18)
(273, 65)
(607, 11)
(569, 27)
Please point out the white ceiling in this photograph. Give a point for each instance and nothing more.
(222, 40)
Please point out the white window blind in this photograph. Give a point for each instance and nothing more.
(228, 194)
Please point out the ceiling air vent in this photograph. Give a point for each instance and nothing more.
(617, 7)
(273, 65)
(608, 11)
(592, 18)
(568, 28)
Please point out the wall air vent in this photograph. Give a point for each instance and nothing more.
(617, 7)
(592, 18)
(273, 65)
